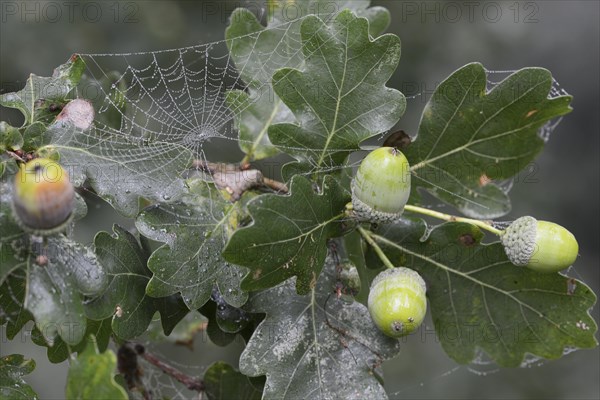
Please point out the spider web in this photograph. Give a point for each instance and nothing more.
(177, 97)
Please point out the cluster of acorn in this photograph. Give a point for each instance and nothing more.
(43, 203)
(397, 300)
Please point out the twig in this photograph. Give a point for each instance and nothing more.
(276, 185)
(15, 155)
(367, 236)
(205, 166)
(487, 225)
(188, 381)
(236, 179)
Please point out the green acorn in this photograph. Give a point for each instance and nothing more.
(381, 186)
(397, 301)
(43, 196)
(539, 245)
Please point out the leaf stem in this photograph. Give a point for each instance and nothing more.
(447, 217)
(250, 154)
(366, 234)
(245, 163)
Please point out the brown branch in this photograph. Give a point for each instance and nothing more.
(276, 185)
(188, 381)
(204, 166)
(16, 155)
(236, 179)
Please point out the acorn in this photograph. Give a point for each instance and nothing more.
(381, 186)
(539, 245)
(43, 196)
(397, 301)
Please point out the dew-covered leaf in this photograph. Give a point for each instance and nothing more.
(125, 298)
(4, 163)
(40, 94)
(288, 235)
(14, 242)
(480, 301)
(470, 137)
(213, 331)
(172, 310)
(15, 316)
(220, 331)
(183, 333)
(223, 382)
(316, 346)
(229, 319)
(12, 385)
(339, 98)
(60, 351)
(91, 376)
(46, 280)
(33, 136)
(56, 286)
(248, 41)
(190, 262)
(120, 168)
(12, 311)
(10, 137)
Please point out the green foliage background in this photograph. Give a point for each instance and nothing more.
(563, 187)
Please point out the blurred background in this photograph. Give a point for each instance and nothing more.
(437, 38)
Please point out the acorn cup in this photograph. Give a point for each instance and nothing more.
(397, 301)
(381, 186)
(541, 246)
(43, 197)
